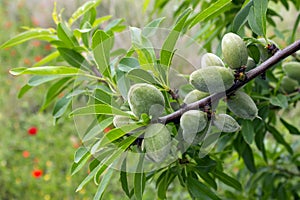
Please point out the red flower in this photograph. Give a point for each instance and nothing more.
(38, 58)
(36, 43)
(13, 52)
(47, 47)
(7, 24)
(27, 61)
(32, 130)
(107, 129)
(37, 173)
(25, 154)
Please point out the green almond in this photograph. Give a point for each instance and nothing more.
(157, 142)
(242, 105)
(234, 50)
(212, 79)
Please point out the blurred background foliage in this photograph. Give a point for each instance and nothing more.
(51, 149)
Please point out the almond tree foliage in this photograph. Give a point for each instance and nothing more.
(194, 130)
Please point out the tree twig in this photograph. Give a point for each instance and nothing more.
(277, 57)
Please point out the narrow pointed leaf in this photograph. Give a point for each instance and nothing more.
(167, 51)
(103, 184)
(292, 129)
(66, 35)
(208, 12)
(99, 109)
(228, 180)
(82, 10)
(74, 58)
(47, 70)
(46, 59)
(41, 34)
(102, 44)
(140, 75)
(241, 17)
(200, 191)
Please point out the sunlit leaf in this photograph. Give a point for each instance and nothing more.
(47, 70)
(214, 8)
(38, 33)
(82, 10)
(98, 109)
(292, 129)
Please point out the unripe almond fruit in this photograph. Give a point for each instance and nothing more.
(288, 85)
(250, 64)
(210, 59)
(143, 97)
(212, 79)
(292, 70)
(226, 123)
(194, 96)
(234, 51)
(192, 122)
(242, 105)
(157, 142)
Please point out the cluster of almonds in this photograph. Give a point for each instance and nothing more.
(213, 77)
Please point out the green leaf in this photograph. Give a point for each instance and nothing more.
(100, 20)
(47, 70)
(103, 184)
(65, 34)
(167, 51)
(259, 141)
(39, 33)
(46, 59)
(164, 183)
(54, 90)
(117, 133)
(207, 178)
(80, 153)
(98, 109)
(61, 106)
(115, 26)
(292, 129)
(104, 97)
(102, 44)
(208, 12)
(123, 179)
(128, 63)
(113, 158)
(123, 83)
(295, 28)
(150, 29)
(141, 76)
(82, 10)
(38, 80)
(200, 191)
(24, 90)
(257, 17)
(279, 138)
(98, 128)
(241, 17)
(139, 178)
(279, 100)
(248, 131)
(74, 58)
(228, 180)
(248, 158)
(144, 49)
(111, 154)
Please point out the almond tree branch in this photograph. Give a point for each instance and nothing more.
(277, 57)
